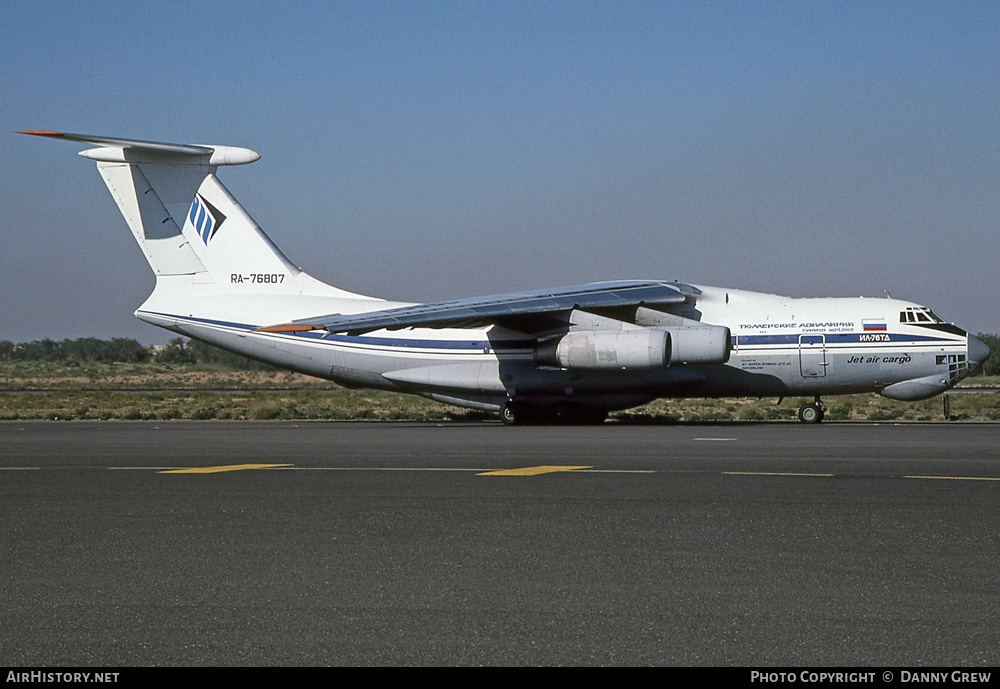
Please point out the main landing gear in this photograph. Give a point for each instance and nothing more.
(512, 413)
(812, 412)
(562, 413)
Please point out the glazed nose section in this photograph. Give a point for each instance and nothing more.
(978, 351)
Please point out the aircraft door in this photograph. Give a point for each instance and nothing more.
(812, 356)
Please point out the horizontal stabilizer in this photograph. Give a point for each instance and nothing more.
(113, 150)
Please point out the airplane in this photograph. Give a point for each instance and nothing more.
(566, 355)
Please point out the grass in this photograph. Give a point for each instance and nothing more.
(869, 407)
(68, 404)
(96, 376)
(192, 391)
(202, 392)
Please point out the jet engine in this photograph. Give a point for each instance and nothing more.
(700, 344)
(647, 348)
(598, 350)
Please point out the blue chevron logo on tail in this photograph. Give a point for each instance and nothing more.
(205, 218)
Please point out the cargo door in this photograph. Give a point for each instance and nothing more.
(812, 356)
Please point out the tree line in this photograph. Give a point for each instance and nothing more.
(181, 351)
(123, 350)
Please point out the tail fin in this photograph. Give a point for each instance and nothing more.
(153, 184)
(226, 239)
(189, 226)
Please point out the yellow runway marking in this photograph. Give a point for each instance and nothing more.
(225, 467)
(532, 471)
(289, 467)
(19, 468)
(959, 478)
(773, 473)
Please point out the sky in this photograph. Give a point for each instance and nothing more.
(420, 151)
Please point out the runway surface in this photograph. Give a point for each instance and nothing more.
(390, 543)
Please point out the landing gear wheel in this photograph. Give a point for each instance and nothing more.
(811, 413)
(512, 414)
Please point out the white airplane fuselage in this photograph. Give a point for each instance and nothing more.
(781, 346)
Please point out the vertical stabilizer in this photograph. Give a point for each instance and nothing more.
(193, 232)
(155, 229)
(226, 239)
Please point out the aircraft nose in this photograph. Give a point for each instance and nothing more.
(978, 351)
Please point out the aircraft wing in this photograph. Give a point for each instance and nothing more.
(510, 310)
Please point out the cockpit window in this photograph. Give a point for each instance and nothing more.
(918, 314)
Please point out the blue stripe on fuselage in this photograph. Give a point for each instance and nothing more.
(840, 338)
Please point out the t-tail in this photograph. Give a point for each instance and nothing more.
(211, 259)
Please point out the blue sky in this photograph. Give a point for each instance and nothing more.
(424, 150)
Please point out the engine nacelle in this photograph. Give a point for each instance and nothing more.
(700, 344)
(637, 349)
(694, 342)
(603, 350)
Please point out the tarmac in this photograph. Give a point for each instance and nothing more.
(332, 543)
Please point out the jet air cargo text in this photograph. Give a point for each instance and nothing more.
(903, 359)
